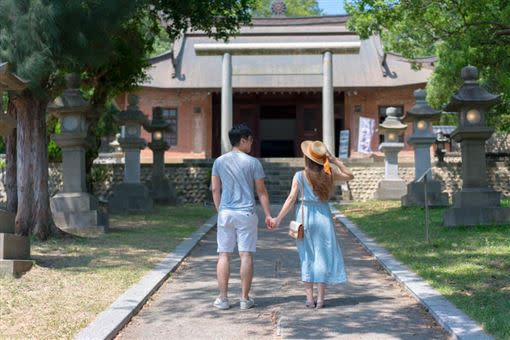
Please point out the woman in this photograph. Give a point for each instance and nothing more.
(319, 252)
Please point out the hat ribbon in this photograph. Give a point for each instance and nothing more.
(326, 166)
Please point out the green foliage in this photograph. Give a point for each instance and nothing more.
(106, 126)
(295, 8)
(106, 41)
(449, 119)
(457, 32)
(54, 151)
(161, 44)
(219, 19)
(99, 174)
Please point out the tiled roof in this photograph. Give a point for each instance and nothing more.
(182, 68)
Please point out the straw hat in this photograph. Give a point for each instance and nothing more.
(315, 150)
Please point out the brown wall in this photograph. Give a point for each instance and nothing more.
(194, 129)
(370, 100)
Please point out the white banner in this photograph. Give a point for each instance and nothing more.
(366, 131)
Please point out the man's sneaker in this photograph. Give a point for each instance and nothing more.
(221, 303)
(247, 304)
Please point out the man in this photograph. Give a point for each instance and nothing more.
(234, 176)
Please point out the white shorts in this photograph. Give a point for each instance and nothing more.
(237, 227)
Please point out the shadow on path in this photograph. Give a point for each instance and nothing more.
(370, 306)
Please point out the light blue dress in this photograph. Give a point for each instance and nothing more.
(319, 251)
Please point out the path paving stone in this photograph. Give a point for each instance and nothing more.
(370, 306)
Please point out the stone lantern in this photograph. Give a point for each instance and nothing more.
(392, 187)
(161, 190)
(421, 116)
(131, 195)
(476, 203)
(14, 249)
(74, 210)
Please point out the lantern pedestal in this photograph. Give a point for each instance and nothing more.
(476, 203)
(392, 187)
(131, 195)
(78, 213)
(388, 189)
(416, 190)
(476, 207)
(416, 195)
(14, 249)
(161, 190)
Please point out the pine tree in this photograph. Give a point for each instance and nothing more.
(104, 40)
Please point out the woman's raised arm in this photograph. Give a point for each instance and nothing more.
(342, 173)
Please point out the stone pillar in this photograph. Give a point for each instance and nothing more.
(132, 161)
(392, 187)
(328, 116)
(421, 116)
(74, 210)
(476, 203)
(161, 190)
(131, 195)
(391, 151)
(14, 249)
(226, 103)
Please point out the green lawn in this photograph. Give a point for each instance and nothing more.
(75, 279)
(470, 266)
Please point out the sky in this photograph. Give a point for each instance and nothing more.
(332, 6)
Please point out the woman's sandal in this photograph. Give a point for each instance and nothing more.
(310, 304)
(320, 304)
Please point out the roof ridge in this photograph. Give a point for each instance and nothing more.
(299, 21)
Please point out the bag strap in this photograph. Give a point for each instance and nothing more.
(302, 198)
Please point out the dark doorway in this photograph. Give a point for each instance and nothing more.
(280, 121)
(278, 130)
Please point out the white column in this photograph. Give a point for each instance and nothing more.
(328, 116)
(226, 103)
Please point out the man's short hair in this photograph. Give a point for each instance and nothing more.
(237, 132)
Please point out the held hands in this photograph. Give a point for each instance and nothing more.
(274, 223)
(268, 221)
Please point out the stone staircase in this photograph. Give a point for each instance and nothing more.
(279, 173)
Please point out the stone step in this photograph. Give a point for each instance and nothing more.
(15, 267)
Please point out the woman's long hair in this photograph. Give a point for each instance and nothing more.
(322, 183)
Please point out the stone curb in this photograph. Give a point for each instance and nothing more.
(119, 313)
(452, 319)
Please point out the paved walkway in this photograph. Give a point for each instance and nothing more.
(370, 306)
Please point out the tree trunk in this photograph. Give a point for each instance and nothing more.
(98, 102)
(11, 187)
(34, 215)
